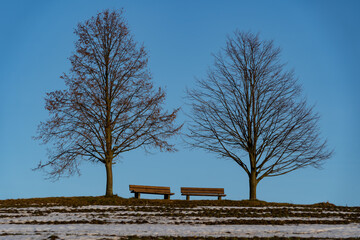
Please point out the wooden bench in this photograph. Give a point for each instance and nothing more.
(137, 189)
(187, 191)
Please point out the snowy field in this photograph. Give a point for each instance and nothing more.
(111, 222)
(112, 231)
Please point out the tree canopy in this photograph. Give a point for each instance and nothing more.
(249, 109)
(109, 106)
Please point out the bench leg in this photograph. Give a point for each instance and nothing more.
(219, 197)
(187, 197)
(137, 195)
(166, 196)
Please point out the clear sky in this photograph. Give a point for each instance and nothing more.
(320, 40)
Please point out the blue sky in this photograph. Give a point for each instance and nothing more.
(320, 40)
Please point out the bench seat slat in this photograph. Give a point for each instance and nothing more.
(193, 191)
(138, 189)
(147, 187)
(202, 190)
(203, 194)
(150, 191)
(157, 193)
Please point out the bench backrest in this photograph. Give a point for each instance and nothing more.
(149, 189)
(190, 190)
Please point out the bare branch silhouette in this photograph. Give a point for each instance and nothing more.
(110, 105)
(250, 109)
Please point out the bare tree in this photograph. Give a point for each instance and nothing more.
(249, 109)
(110, 105)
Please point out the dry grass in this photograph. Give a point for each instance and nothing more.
(228, 238)
(118, 201)
(221, 238)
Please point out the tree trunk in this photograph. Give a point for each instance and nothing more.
(252, 185)
(109, 180)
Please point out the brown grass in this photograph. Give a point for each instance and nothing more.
(118, 201)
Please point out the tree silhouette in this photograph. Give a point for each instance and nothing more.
(110, 105)
(249, 109)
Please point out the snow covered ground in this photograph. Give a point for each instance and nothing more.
(111, 231)
(110, 222)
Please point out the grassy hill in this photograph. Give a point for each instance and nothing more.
(115, 200)
(119, 218)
